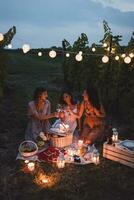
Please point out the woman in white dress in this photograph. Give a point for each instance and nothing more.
(39, 113)
(67, 104)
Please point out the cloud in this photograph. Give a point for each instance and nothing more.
(122, 5)
(46, 23)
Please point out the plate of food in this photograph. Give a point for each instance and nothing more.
(42, 142)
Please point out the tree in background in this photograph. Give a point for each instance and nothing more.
(3, 56)
(114, 80)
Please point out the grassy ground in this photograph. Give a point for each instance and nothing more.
(107, 181)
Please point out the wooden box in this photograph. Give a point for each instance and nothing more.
(119, 155)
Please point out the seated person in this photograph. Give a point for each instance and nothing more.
(39, 113)
(94, 116)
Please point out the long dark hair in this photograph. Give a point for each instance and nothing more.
(62, 102)
(93, 96)
(38, 92)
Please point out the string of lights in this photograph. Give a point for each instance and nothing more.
(78, 55)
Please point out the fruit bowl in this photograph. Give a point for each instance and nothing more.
(28, 148)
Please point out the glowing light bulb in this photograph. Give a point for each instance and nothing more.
(26, 48)
(93, 49)
(131, 55)
(104, 44)
(105, 59)
(1, 37)
(127, 60)
(80, 52)
(117, 57)
(123, 55)
(78, 57)
(9, 46)
(67, 55)
(52, 54)
(39, 53)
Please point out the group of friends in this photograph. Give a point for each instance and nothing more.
(86, 117)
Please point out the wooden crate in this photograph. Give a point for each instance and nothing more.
(119, 155)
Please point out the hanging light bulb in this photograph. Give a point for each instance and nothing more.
(131, 55)
(80, 52)
(1, 37)
(39, 53)
(78, 57)
(105, 44)
(127, 60)
(67, 55)
(26, 48)
(117, 57)
(105, 59)
(93, 49)
(52, 54)
(123, 55)
(113, 50)
(9, 46)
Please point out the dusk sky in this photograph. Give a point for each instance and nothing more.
(44, 23)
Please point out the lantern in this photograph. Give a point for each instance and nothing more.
(78, 57)
(127, 60)
(115, 137)
(52, 54)
(61, 160)
(31, 166)
(39, 53)
(105, 59)
(26, 48)
(95, 157)
(1, 37)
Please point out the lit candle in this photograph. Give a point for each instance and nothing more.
(31, 166)
(26, 161)
(61, 163)
(61, 160)
(71, 152)
(44, 180)
(78, 152)
(80, 143)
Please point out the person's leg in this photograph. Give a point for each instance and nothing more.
(84, 134)
(76, 136)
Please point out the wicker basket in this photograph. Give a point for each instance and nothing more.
(61, 142)
(29, 143)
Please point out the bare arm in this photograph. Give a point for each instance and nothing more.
(100, 113)
(32, 113)
(80, 111)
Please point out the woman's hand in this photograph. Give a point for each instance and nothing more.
(61, 115)
(56, 114)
